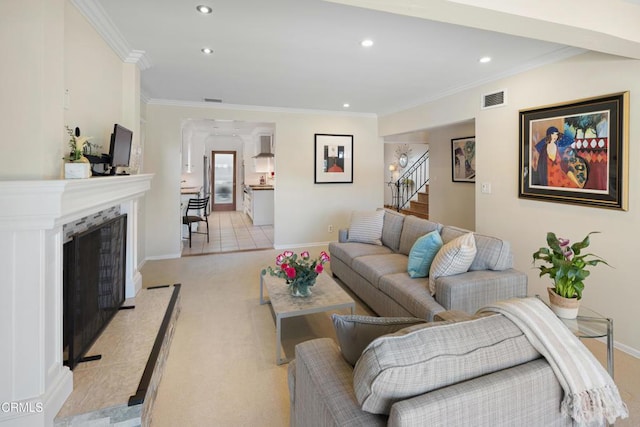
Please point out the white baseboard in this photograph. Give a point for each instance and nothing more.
(627, 349)
(161, 257)
(301, 245)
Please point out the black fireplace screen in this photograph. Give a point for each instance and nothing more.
(94, 284)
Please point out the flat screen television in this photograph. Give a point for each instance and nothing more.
(120, 148)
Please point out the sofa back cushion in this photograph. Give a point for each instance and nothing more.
(427, 357)
(492, 253)
(391, 229)
(355, 332)
(414, 228)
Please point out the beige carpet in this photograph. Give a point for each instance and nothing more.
(221, 368)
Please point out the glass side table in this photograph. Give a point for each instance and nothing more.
(590, 324)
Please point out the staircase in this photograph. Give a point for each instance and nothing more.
(420, 207)
(410, 193)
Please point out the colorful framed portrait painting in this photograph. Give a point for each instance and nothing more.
(333, 160)
(463, 159)
(576, 152)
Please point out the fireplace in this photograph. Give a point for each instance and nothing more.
(93, 284)
(31, 277)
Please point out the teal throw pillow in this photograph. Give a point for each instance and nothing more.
(422, 253)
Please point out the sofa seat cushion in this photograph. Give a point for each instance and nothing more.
(347, 252)
(374, 267)
(492, 253)
(412, 294)
(414, 228)
(422, 358)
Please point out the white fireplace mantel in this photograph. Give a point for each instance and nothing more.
(32, 214)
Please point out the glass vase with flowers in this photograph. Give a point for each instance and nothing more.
(299, 271)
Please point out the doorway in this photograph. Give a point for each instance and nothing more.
(223, 180)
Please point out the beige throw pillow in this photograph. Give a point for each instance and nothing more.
(366, 227)
(454, 257)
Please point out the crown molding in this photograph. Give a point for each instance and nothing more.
(138, 57)
(104, 26)
(144, 98)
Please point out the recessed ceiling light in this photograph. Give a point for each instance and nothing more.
(205, 10)
(206, 50)
(346, 105)
(366, 43)
(485, 59)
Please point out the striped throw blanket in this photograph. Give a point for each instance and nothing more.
(590, 395)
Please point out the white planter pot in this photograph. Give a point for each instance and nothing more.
(77, 170)
(566, 308)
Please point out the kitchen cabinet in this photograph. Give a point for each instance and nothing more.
(248, 203)
(259, 205)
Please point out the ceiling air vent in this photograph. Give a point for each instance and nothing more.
(496, 99)
(213, 100)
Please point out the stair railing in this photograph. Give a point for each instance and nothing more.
(410, 182)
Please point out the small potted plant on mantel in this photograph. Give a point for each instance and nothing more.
(76, 164)
(567, 268)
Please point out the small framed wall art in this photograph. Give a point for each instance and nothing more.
(463, 159)
(333, 160)
(576, 152)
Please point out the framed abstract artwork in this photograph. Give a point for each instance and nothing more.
(333, 159)
(463, 159)
(576, 152)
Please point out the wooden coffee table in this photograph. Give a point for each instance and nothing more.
(326, 295)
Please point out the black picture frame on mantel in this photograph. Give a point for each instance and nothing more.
(333, 159)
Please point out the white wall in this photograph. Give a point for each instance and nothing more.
(611, 291)
(451, 203)
(303, 210)
(93, 75)
(31, 84)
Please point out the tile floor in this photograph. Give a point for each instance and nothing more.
(228, 232)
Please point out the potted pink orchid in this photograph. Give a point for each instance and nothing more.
(299, 272)
(567, 267)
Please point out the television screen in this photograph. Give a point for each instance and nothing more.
(120, 150)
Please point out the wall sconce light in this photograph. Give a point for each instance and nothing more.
(392, 167)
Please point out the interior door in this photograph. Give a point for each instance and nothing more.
(223, 180)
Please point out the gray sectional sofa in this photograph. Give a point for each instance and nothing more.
(377, 274)
(480, 372)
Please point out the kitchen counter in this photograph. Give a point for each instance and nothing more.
(261, 187)
(190, 190)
